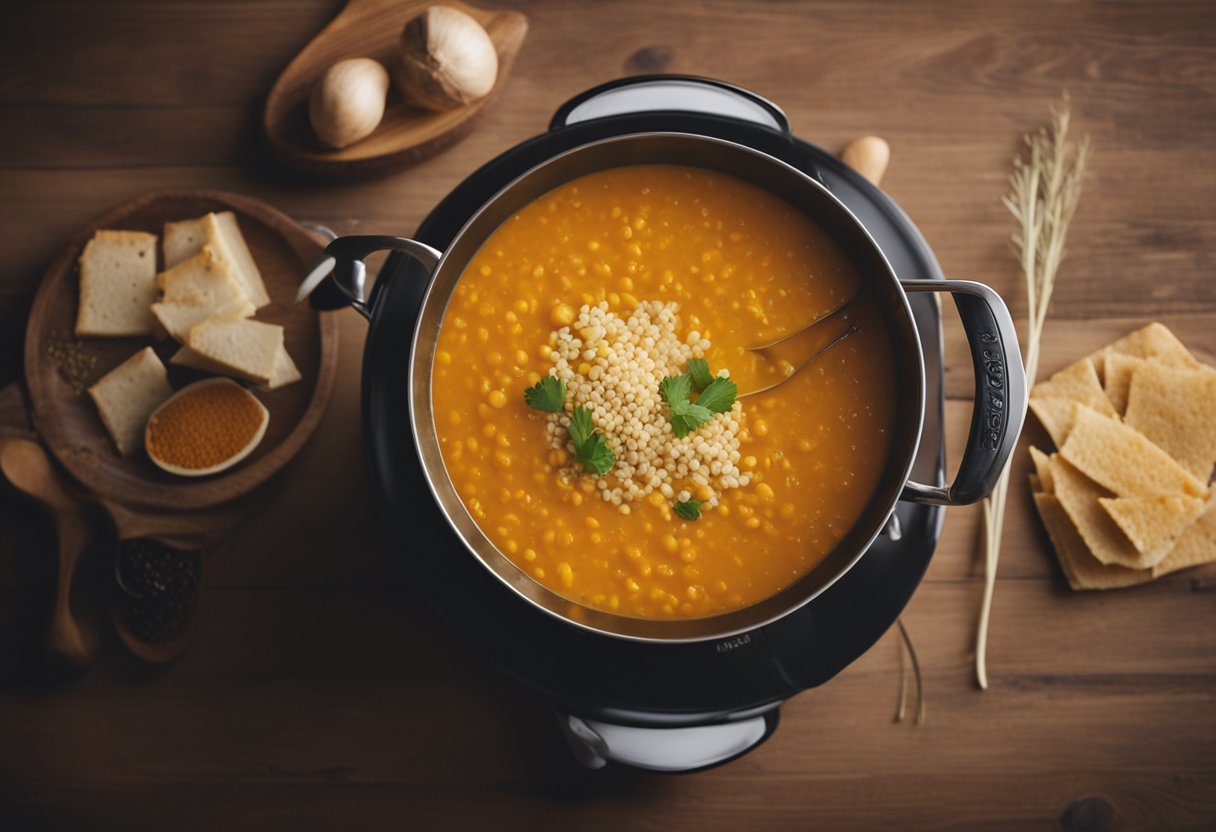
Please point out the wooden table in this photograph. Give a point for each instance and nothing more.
(322, 692)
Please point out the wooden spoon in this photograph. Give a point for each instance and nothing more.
(869, 156)
(29, 469)
(371, 29)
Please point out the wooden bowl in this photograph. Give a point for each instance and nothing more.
(68, 421)
(371, 29)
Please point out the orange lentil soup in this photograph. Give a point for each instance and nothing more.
(613, 282)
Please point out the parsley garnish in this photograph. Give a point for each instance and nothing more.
(686, 416)
(689, 509)
(719, 395)
(589, 445)
(698, 371)
(549, 395)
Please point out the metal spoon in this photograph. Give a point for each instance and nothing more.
(869, 155)
(849, 330)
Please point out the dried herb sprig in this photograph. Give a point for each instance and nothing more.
(1045, 187)
(907, 650)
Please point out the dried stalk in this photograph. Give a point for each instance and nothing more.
(905, 647)
(1045, 189)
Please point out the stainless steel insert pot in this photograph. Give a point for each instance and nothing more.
(1000, 379)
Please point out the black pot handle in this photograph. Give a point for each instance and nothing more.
(670, 93)
(1000, 393)
(338, 279)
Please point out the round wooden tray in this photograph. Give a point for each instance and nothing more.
(371, 29)
(68, 421)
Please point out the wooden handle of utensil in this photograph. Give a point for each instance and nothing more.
(29, 469)
(65, 637)
(869, 156)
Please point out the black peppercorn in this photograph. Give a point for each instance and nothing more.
(158, 585)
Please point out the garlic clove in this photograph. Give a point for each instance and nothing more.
(447, 60)
(348, 102)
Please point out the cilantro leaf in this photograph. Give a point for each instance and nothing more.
(596, 455)
(549, 395)
(687, 417)
(589, 446)
(581, 426)
(719, 395)
(698, 371)
(689, 509)
(676, 389)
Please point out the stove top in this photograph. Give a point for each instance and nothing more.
(608, 690)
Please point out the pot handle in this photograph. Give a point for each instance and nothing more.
(1000, 393)
(338, 279)
(680, 93)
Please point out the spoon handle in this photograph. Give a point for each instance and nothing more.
(27, 466)
(65, 637)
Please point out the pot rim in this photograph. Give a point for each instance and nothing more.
(539, 591)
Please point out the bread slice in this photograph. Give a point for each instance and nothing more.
(127, 395)
(117, 284)
(222, 234)
(223, 228)
(285, 371)
(202, 280)
(179, 318)
(249, 348)
(183, 240)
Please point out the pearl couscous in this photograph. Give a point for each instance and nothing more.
(611, 285)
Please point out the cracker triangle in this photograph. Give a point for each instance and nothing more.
(1154, 341)
(1042, 470)
(1176, 409)
(1056, 416)
(1153, 524)
(1081, 568)
(1118, 378)
(1196, 546)
(1079, 496)
(1123, 460)
(1077, 382)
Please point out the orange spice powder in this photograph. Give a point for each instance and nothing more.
(203, 427)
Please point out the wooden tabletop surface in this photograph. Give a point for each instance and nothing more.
(321, 692)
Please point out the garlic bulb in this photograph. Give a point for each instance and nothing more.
(447, 60)
(348, 102)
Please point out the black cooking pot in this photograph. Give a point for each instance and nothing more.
(1000, 381)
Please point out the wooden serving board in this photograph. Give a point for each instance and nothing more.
(372, 29)
(66, 418)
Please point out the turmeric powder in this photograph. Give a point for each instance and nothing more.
(204, 426)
